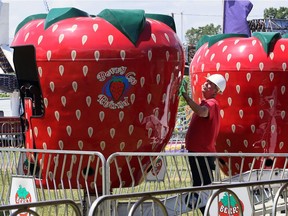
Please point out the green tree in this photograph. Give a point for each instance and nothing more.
(274, 13)
(193, 35)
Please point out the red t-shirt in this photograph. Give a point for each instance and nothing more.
(202, 132)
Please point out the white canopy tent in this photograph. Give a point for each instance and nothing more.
(8, 82)
(6, 53)
(4, 22)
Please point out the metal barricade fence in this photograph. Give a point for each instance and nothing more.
(156, 206)
(11, 134)
(146, 183)
(56, 175)
(27, 208)
(256, 177)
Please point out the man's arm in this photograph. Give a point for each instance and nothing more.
(201, 111)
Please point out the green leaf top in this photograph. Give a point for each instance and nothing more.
(228, 198)
(267, 39)
(28, 19)
(168, 20)
(57, 14)
(22, 192)
(215, 38)
(130, 22)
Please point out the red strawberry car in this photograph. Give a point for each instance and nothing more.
(97, 81)
(254, 106)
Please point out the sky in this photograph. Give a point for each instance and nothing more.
(187, 13)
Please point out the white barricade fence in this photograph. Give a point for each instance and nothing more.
(129, 183)
(45, 175)
(249, 184)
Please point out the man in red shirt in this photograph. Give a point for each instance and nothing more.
(203, 131)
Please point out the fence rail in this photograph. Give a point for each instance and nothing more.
(168, 185)
(11, 132)
(28, 207)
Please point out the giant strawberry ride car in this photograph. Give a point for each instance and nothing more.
(254, 105)
(106, 83)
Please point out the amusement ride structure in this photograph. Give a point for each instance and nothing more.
(99, 96)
